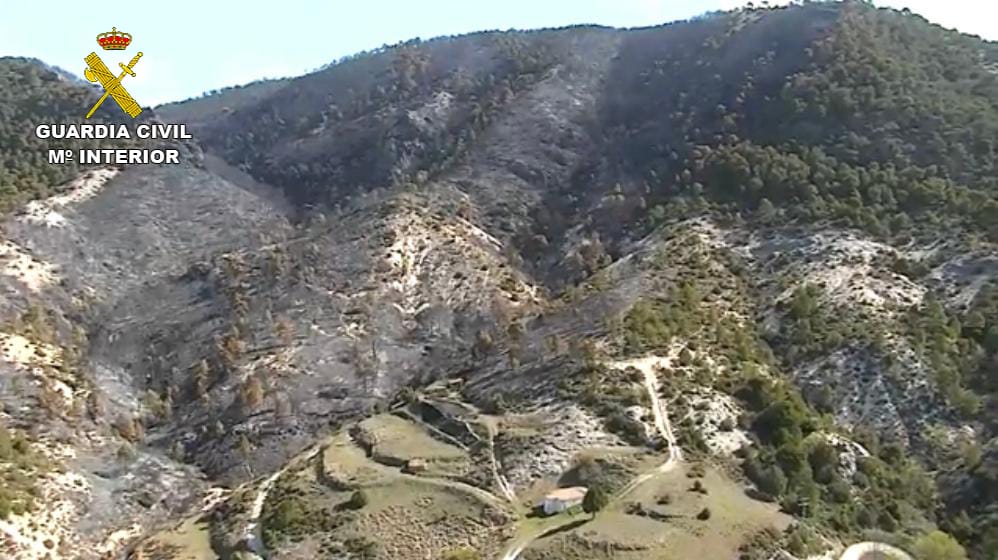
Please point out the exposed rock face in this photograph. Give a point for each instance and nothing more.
(716, 417)
(548, 442)
(849, 453)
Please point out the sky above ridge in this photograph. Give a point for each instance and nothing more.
(191, 47)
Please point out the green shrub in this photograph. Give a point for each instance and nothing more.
(938, 545)
(802, 542)
(19, 470)
(463, 553)
(358, 500)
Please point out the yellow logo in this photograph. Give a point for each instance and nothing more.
(96, 70)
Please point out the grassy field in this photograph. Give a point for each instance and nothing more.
(347, 464)
(191, 540)
(396, 441)
(620, 532)
(402, 517)
(416, 520)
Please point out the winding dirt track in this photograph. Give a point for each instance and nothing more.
(648, 366)
(497, 476)
(252, 533)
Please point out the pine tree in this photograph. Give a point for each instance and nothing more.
(245, 447)
(596, 499)
(766, 212)
(201, 378)
(285, 331)
(251, 393)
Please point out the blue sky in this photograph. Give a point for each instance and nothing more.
(193, 46)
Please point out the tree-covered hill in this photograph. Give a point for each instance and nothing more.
(32, 93)
(872, 118)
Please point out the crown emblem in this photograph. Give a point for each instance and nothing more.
(114, 40)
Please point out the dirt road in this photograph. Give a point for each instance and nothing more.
(648, 366)
(252, 533)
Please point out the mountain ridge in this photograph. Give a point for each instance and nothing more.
(478, 226)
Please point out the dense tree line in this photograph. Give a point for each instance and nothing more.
(795, 464)
(962, 350)
(870, 118)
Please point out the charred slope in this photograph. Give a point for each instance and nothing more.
(513, 208)
(72, 418)
(867, 118)
(79, 396)
(568, 146)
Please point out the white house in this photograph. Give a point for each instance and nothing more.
(562, 499)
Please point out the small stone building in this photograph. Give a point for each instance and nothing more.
(415, 466)
(562, 499)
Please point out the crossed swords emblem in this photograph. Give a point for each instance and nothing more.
(97, 71)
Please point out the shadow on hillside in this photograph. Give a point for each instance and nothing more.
(564, 528)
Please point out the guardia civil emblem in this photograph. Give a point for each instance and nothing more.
(97, 71)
